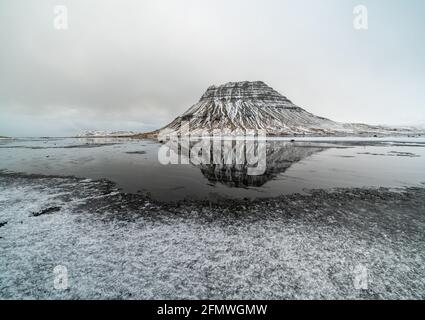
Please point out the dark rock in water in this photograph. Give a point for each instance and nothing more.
(403, 154)
(46, 211)
(2, 224)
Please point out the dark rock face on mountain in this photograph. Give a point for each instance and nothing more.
(240, 106)
(254, 91)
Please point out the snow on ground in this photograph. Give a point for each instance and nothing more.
(126, 246)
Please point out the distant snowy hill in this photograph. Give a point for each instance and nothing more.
(240, 106)
(102, 133)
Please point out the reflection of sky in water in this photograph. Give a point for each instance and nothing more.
(133, 165)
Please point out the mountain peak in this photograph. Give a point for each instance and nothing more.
(244, 90)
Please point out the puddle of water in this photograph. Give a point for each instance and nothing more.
(290, 167)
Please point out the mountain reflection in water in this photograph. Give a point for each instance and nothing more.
(279, 156)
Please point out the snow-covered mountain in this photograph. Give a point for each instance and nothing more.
(103, 133)
(241, 106)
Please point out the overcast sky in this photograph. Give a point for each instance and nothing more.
(136, 65)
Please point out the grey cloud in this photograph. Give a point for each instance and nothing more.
(138, 64)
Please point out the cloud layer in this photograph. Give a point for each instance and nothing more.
(135, 65)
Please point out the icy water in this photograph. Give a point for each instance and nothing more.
(292, 167)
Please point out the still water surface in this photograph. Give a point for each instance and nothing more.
(292, 167)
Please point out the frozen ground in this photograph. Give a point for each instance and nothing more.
(126, 246)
